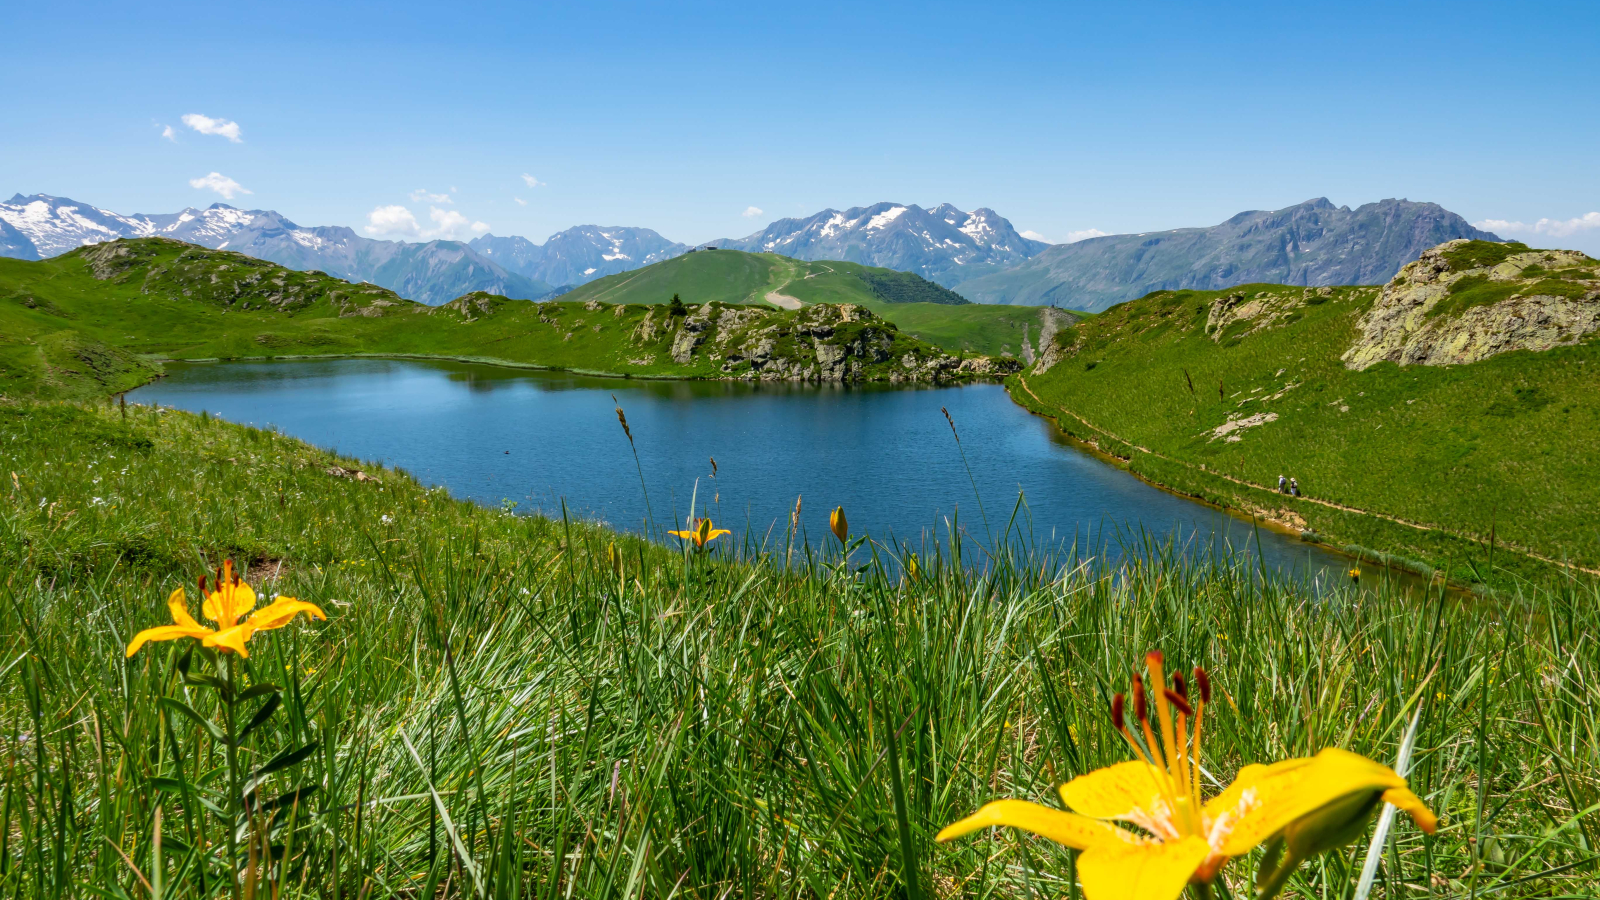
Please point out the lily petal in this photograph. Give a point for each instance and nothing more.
(178, 605)
(229, 602)
(281, 612)
(1264, 799)
(1413, 805)
(1067, 829)
(716, 533)
(236, 639)
(1149, 871)
(166, 633)
(1128, 792)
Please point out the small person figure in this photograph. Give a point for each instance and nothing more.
(1282, 485)
(1294, 486)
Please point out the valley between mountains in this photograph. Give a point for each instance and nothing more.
(1442, 422)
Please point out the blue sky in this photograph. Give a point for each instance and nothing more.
(689, 117)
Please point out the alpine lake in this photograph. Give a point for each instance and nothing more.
(533, 441)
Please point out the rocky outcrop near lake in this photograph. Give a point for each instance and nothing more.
(1465, 301)
(821, 343)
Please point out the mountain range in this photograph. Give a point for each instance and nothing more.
(978, 254)
(433, 272)
(942, 244)
(1312, 244)
(578, 255)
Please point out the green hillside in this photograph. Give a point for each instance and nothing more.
(1203, 390)
(920, 307)
(98, 319)
(506, 706)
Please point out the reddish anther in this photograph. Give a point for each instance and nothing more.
(1178, 702)
(1204, 682)
(1117, 708)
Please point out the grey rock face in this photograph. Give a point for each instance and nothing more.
(940, 244)
(1311, 244)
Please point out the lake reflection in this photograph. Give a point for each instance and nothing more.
(498, 435)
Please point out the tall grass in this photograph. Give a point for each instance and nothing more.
(502, 711)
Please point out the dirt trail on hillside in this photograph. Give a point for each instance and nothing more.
(783, 300)
(1420, 526)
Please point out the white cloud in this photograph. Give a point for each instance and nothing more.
(169, 134)
(1075, 236)
(222, 184)
(750, 212)
(520, 201)
(397, 221)
(421, 194)
(208, 125)
(1036, 236)
(1551, 227)
(393, 220)
(531, 181)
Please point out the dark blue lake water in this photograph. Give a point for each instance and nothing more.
(498, 435)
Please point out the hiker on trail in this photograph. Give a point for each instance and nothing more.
(1294, 486)
(1282, 485)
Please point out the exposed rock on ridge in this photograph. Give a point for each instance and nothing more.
(1455, 306)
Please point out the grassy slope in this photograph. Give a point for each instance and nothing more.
(82, 337)
(698, 728)
(732, 276)
(1506, 444)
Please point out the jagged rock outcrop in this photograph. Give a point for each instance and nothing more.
(820, 343)
(1465, 301)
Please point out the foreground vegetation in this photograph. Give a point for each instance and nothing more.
(512, 706)
(1217, 393)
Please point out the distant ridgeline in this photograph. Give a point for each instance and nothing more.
(1446, 419)
(95, 320)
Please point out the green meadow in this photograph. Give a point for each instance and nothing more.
(1493, 460)
(508, 706)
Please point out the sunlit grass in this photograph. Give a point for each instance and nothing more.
(508, 706)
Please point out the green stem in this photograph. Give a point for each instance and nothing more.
(232, 825)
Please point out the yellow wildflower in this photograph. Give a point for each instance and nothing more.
(1308, 803)
(838, 524)
(226, 606)
(701, 534)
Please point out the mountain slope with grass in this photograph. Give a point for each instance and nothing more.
(918, 306)
(99, 319)
(505, 706)
(1447, 417)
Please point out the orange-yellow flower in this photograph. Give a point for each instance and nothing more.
(1312, 802)
(227, 606)
(701, 534)
(838, 524)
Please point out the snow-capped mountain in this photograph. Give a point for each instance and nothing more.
(580, 254)
(436, 272)
(943, 244)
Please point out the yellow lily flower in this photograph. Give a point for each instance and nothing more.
(225, 606)
(701, 534)
(1182, 839)
(839, 525)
